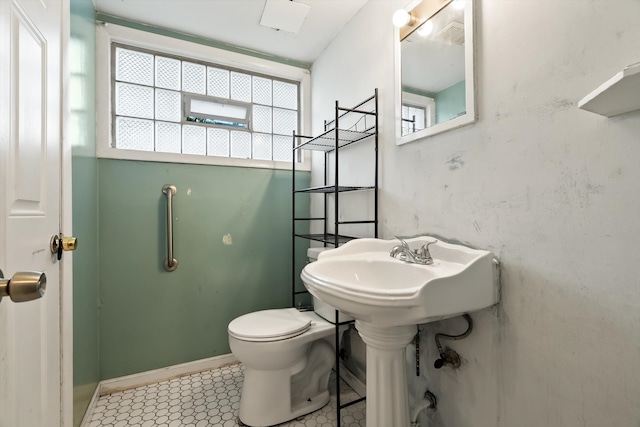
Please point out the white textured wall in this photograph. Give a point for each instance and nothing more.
(554, 191)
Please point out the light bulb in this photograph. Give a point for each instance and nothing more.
(401, 18)
(426, 29)
(458, 4)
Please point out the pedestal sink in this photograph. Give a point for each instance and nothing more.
(389, 297)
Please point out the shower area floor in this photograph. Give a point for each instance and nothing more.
(207, 399)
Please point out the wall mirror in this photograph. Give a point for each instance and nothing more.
(435, 78)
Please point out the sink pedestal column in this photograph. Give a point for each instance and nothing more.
(387, 396)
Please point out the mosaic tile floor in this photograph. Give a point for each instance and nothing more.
(206, 399)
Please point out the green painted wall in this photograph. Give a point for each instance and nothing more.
(86, 356)
(151, 318)
(451, 102)
(129, 314)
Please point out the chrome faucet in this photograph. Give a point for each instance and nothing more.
(404, 253)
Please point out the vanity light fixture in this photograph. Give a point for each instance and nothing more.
(425, 29)
(403, 17)
(417, 13)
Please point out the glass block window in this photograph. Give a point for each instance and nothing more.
(171, 104)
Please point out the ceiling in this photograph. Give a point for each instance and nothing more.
(237, 22)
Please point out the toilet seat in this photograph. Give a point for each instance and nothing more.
(269, 325)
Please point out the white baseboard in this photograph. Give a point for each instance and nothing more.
(149, 377)
(163, 374)
(353, 381)
(157, 375)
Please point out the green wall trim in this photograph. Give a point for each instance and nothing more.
(151, 318)
(199, 40)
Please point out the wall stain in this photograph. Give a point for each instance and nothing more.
(455, 163)
(577, 188)
(617, 173)
(561, 104)
(593, 188)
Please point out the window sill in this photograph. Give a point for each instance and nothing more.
(152, 156)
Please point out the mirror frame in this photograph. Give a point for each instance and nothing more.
(470, 86)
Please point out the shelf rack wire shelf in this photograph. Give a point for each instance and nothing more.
(332, 189)
(326, 238)
(327, 140)
(331, 141)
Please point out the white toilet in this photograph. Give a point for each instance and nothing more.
(288, 356)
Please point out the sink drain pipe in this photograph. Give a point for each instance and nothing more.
(449, 357)
(429, 401)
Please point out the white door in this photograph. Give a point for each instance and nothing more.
(30, 156)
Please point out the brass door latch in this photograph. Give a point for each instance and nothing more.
(61, 243)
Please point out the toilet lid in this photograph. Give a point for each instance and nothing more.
(269, 325)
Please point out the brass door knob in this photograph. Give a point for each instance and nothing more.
(61, 243)
(23, 286)
(69, 243)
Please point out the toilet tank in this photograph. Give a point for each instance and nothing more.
(328, 312)
(324, 310)
(312, 253)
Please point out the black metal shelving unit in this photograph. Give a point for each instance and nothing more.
(362, 125)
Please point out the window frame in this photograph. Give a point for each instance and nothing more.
(107, 34)
(425, 102)
(425, 117)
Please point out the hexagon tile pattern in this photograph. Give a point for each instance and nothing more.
(206, 399)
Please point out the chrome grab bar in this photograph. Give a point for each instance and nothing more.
(170, 264)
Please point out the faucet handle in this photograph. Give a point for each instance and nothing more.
(424, 250)
(402, 242)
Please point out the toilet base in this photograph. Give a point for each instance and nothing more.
(288, 378)
(260, 407)
(304, 407)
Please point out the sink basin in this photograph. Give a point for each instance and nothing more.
(388, 297)
(363, 281)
